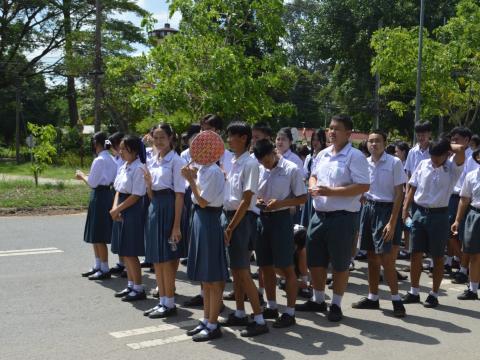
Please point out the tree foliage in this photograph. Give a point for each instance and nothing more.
(43, 149)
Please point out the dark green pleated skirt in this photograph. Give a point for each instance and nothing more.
(98, 227)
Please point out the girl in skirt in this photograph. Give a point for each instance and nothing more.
(206, 257)
(127, 212)
(164, 245)
(98, 228)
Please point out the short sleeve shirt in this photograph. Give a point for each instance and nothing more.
(385, 175)
(131, 179)
(466, 170)
(415, 155)
(211, 184)
(103, 170)
(291, 156)
(347, 167)
(167, 172)
(471, 188)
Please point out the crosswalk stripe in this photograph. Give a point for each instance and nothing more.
(158, 342)
(153, 329)
(27, 250)
(31, 253)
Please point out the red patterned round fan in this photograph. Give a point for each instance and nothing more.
(206, 148)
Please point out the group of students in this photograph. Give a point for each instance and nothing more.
(256, 199)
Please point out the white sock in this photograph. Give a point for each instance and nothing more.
(259, 319)
(170, 302)
(414, 291)
(474, 287)
(290, 311)
(163, 300)
(211, 326)
(318, 296)
(396, 297)
(271, 304)
(448, 260)
(98, 263)
(138, 288)
(463, 270)
(434, 294)
(104, 267)
(337, 300)
(202, 293)
(240, 314)
(261, 290)
(130, 284)
(304, 279)
(373, 297)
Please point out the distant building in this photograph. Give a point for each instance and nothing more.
(160, 34)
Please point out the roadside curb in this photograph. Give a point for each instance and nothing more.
(42, 211)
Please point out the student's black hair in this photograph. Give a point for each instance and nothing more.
(476, 156)
(344, 119)
(320, 134)
(115, 139)
(402, 145)
(263, 148)
(380, 132)
(363, 147)
(302, 150)
(476, 139)
(135, 145)
(390, 149)
(462, 131)
(440, 147)
(287, 132)
(240, 128)
(193, 129)
(264, 128)
(422, 127)
(212, 120)
(99, 138)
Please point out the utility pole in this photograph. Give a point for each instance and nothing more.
(377, 89)
(98, 64)
(17, 119)
(418, 97)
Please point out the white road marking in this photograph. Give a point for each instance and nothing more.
(158, 342)
(153, 329)
(30, 252)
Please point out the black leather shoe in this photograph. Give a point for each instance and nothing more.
(117, 269)
(460, 278)
(312, 306)
(261, 299)
(155, 294)
(196, 329)
(255, 276)
(282, 284)
(163, 312)
(210, 335)
(398, 309)
(194, 301)
(184, 262)
(401, 277)
(232, 320)
(431, 302)
(137, 295)
(254, 329)
(229, 296)
(305, 293)
(122, 293)
(90, 272)
(124, 274)
(99, 275)
(335, 314)
(149, 311)
(409, 298)
(366, 303)
(145, 264)
(284, 321)
(468, 295)
(270, 313)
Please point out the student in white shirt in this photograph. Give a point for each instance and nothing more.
(339, 179)
(470, 205)
(423, 132)
(380, 227)
(128, 215)
(164, 243)
(239, 219)
(283, 144)
(98, 227)
(215, 123)
(431, 185)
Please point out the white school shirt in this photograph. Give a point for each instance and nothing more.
(167, 172)
(471, 187)
(103, 170)
(243, 176)
(226, 161)
(211, 185)
(435, 185)
(119, 161)
(385, 175)
(415, 155)
(282, 182)
(131, 179)
(149, 153)
(466, 170)
(291, 156)
(347, 167)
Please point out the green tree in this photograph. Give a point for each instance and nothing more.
(43, 149)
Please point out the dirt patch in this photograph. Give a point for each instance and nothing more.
(43, 211)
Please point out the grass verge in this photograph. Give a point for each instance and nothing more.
(25, 195)
(53, 172)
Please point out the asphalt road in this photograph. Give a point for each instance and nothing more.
(49, 312)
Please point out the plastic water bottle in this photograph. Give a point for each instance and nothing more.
(173, 244)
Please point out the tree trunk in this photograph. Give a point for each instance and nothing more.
(71, 91)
